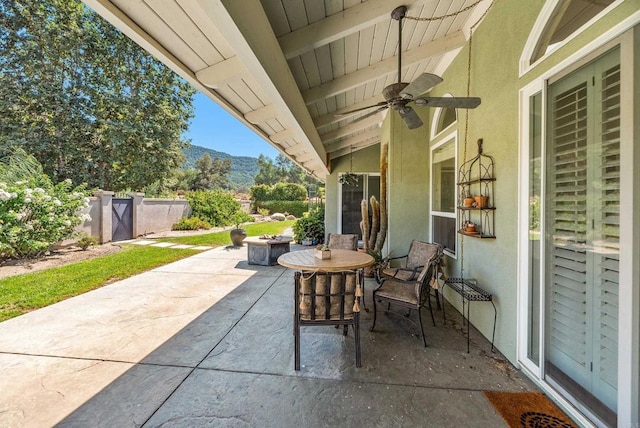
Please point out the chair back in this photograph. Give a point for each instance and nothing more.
(326, 295)
(423, 255)
(342, 242)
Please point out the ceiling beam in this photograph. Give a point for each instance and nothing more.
(262, 114)
(222, 73)
(248, 30)
(352, 128)
(295, 149)
(352, 141)
(283, 136)
(354, 148)
(334, 87)
(339, 25)
(305, 157)
(331, 118)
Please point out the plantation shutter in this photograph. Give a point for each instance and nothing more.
(607, 239)
(567, 183)
(583, 227)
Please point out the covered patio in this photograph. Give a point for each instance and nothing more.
(207, 341)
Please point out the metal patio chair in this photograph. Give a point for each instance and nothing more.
(408, 286)
(328, 298)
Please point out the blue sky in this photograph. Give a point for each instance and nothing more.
(214, 128)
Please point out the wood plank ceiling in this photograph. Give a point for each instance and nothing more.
(285, 68)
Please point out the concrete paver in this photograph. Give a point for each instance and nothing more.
(207, 341)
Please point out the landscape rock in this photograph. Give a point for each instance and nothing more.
(291, 217)
(278, 217)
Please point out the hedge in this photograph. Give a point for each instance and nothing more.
(296, 208)
(278, 192)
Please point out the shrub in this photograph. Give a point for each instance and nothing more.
(85, 241)
(34, 215)
(311, 226)
(216, 207)
(296, 208)
(239, 218)
(288, 192)
(190, 223)
(260, 192)
(263, 211)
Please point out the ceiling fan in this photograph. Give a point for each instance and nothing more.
(399, 95)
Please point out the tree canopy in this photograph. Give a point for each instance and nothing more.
(283, 170)
(85, 100)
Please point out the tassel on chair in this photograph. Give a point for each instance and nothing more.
(356, 305)
(303, 304)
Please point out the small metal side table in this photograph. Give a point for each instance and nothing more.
(469, 290)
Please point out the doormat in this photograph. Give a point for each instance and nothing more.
(528, 410)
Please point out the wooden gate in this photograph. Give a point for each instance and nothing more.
(122, 219)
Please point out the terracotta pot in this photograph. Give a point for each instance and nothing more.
(470, 227)
(468, 202)
(481, 201)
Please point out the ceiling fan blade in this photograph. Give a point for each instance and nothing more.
(371, 113)
(422, 84)
(448, 102)
(347, 113)
(410, 117)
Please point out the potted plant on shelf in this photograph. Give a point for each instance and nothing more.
(238, 233)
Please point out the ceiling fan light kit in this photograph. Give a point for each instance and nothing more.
(398, 95)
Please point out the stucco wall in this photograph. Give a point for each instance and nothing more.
(497, 46)
(409, 172)
(149, 215)
(156, 215)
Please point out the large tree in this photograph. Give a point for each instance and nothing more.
(283, 170)
(85, 100)
(211, 174)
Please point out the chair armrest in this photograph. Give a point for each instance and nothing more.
(397, 281)
(386, 261)
(395, 258)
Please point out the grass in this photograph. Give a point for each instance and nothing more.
(222, 238)
(24, 293)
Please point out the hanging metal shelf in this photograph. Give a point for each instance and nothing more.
(476, 180)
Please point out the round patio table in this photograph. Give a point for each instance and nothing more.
(305, 260)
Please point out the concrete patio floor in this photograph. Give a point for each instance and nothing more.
(207, 341)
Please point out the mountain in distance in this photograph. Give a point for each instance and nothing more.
(243, 168)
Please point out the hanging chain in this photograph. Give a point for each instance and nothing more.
(466, 120)
(449, 15)
(351, 161)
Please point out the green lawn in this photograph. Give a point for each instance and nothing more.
(222, 238)
(24, 293)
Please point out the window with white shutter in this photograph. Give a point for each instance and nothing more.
(582, 231)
